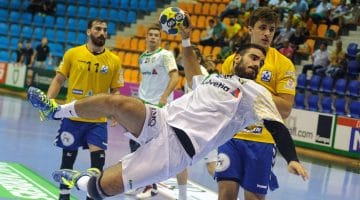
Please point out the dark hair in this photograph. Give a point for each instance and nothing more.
(243, 48)
(155, 26)
(263, 13)
(90, 23)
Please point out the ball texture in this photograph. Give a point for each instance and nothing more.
(170, 18)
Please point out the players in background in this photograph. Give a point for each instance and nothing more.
(250, 154)
(159, 78)
(42, 52)
(90, 69)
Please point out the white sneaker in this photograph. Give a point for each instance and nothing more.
(147, 193)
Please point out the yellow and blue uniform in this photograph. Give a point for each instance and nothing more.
(278, 76)
(87, 74)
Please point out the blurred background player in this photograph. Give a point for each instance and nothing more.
(42, 52)
(90, 69)
(251, 153)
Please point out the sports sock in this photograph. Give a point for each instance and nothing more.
(182, 192)
(67, 110)
(83, 182)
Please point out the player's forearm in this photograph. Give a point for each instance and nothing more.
(282, 139)
(55, 86)
(191, 64)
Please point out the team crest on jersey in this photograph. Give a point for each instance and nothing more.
(154, 71)
(266, 76)
(104, 69)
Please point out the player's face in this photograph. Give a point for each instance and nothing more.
(153, 39)
(98, 33)
(248, 65)
(262, 33)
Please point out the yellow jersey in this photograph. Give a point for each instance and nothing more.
(278, 76)
(89, 74)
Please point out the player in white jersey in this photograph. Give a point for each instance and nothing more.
(159, 71)
(182, 132)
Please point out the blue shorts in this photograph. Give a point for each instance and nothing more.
(75, 134)
(248, 163)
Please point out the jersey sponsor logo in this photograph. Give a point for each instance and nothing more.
(152, 119)
(79, 92)
(266, 76)
(223, 162)
(290, 84)
(104, 69)
(236, 92)
(253, 129)
(290, 74)
(154, 71)
(67, 138)
(217, 84)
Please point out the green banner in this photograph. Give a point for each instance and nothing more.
(20, 183)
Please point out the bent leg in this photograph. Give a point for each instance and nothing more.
(111, 181)
(253, 196)
(128, 111)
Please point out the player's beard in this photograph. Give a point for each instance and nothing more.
(240, 70)
(98, 41)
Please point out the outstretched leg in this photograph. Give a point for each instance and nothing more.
(129, 112)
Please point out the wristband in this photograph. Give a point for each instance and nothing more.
(186, 42)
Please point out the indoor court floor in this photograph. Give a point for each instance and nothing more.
(26, 141)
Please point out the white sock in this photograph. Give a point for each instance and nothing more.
(182, 192)
(67, 110)
(82, 183)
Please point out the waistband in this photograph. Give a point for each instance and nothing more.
(185, 141)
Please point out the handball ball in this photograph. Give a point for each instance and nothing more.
(170, 18)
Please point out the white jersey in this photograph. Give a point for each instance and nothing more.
(155, 68)
(219, 107)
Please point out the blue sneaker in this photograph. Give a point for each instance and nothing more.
(70, 177)
(47, 107)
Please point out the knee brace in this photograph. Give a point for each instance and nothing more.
(68, 159)
(98, 159)
(94, 188)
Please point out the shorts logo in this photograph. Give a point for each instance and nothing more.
(67, 139)
(130, 185)
(152, 119)
(266, 76)
(223, 162)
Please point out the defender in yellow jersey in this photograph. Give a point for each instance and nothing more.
(247, 159)
(90, 69)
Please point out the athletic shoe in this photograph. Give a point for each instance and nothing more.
(47, 107)
(148, 192)
(70, 177)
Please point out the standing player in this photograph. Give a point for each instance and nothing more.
(90, 69)
(250, 154)
(159, 79)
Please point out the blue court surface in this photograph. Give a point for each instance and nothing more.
(28, 157)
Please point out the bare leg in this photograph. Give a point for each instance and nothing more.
(182, 177)
(127, 111)
(253, 196)
(228, 190)
(112, 181)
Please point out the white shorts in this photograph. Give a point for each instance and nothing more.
(211, 156)
(159, 157)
